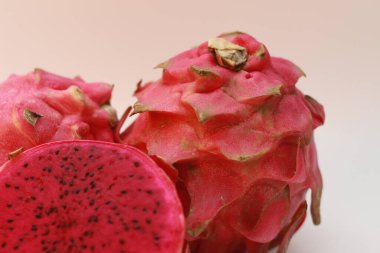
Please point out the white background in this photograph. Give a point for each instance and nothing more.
(337, 43)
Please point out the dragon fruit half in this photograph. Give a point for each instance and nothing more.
(42, 107)
(228, 124)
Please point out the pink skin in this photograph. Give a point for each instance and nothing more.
(241, 141)
(67, 109)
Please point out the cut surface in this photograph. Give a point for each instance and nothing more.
(87, 196)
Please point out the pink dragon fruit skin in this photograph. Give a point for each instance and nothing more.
(41, 107)
(227, 118)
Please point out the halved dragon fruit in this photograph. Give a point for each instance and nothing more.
(88, 196)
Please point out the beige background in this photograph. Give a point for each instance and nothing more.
(337, 43)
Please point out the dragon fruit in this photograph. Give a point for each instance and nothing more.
(41, 107)
(88, 196)
(228, 122)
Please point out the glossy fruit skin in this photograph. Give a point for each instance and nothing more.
(238, 143)
(41, 107)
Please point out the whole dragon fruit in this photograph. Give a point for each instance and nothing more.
(42, 107)
(228, 124)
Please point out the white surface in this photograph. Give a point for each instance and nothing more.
(337, 43)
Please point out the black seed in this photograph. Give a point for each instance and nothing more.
(131, 175)
(144, 209)
(16, 246)
(158, 203)
(57, 152)
(148, 220)
(92, 202)
(9, 220)
(121, 241)
(34, 228)
(84, 246)
(93, 218)
(76, 149)
(85, 189)
(124, 192)
(46, 232)
(38, 215)
(7, 185)
(64, 158)
(4, 244)
(135, 221)
(26, 165)
(156, 237)
(136, 164)
(108, 202)
(149, 192)
(140, 178)
(71, 183)
(114, 207)
(9, 205)
(100, 167)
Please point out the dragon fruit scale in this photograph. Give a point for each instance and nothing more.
(228, 124)
(41, 107)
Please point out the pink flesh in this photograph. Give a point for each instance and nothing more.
(88, 196)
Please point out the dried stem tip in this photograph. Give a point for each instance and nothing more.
(228, 54)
